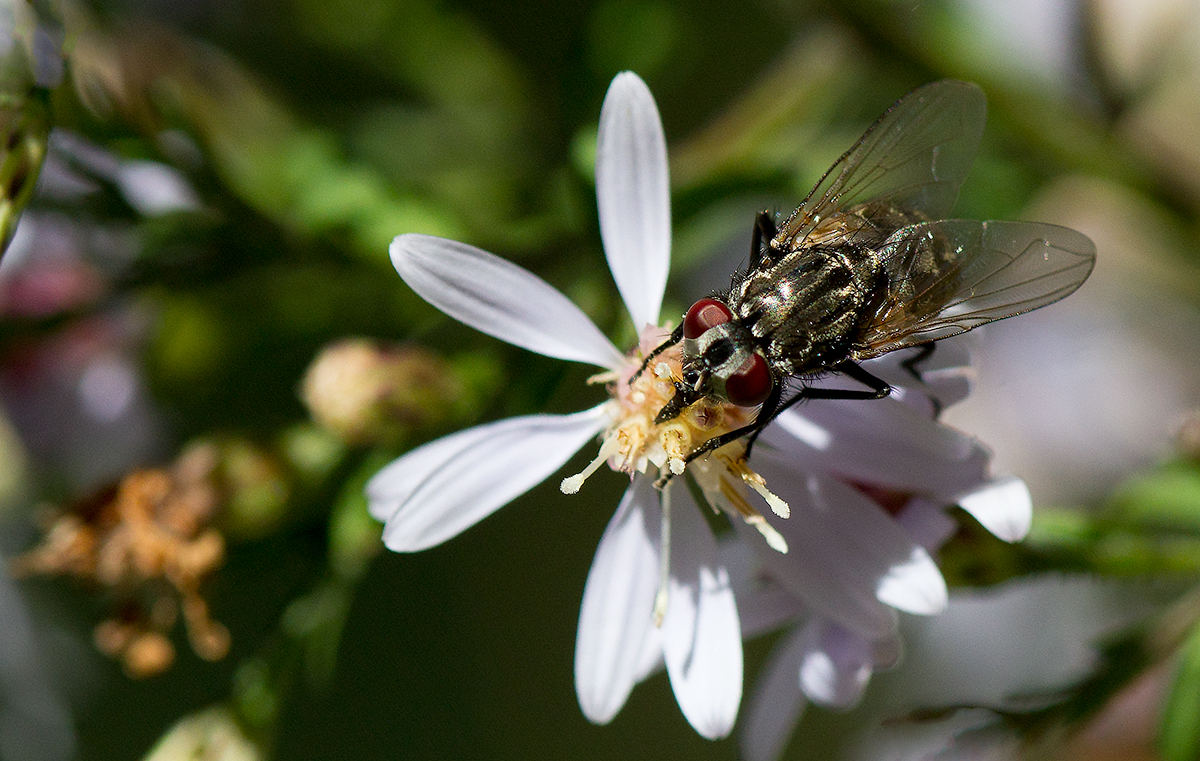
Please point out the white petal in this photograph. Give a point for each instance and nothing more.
(884, 443)
(391, 486)
(633, 196)
(822, 567)
(436, 491)
(1003, 507)
(777, 703)
(618, 603)
(702, 642)
(766, 608)
(763, 604)
(651, 660)
(845, 552)
(499, 298)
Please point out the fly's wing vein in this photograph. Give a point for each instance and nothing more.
(913, 159)
(948, 277)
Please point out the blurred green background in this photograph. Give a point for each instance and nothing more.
(222, 179)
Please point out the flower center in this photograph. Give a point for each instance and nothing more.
(634, 443)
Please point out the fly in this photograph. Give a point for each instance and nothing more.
(867, 265)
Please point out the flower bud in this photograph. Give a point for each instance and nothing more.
(211, 734)
(369, 393)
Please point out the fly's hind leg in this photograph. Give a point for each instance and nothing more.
(910, 364)
(773, 406)
(877, 388)
(925, 351)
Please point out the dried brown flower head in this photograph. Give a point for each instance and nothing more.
(149, 542)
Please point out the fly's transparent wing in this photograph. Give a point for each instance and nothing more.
(913, 159)
(948, 277)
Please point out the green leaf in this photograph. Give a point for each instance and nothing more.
(27, 69)
(1179, 732)
(1168, 498)
(24, 127)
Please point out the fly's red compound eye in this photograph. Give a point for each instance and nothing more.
(705, 314)
(751, 384)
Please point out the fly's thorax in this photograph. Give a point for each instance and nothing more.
(806, 309)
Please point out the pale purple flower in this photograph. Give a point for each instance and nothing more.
(641, 604)
(868, 484)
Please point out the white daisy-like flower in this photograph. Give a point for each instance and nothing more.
(868, 485)
(657, 591)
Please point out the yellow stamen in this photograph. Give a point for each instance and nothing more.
(759, 484)
(676, 440)
(774, 539)
(572, 484)
(751, 516)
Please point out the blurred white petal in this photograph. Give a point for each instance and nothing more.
(836, 665)
(967, 734)
(471, 474)
(35, 719)
(499, 298)
(618, 601)
(914, 585)
(153, 188)
(702, 641)
(825, 683)
(927, 523)
(777, 703)
(633, 196)
(1025, 637)
(1003, 507)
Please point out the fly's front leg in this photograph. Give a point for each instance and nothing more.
(766, 413)
(764, 230)
(675, 337)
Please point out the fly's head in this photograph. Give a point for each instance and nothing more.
(720, 360)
